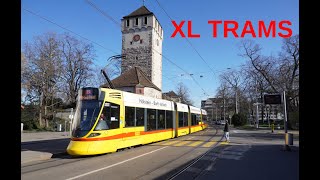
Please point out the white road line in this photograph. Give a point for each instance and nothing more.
(115, 164)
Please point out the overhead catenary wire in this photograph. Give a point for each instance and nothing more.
(188, 40)
(31, 12)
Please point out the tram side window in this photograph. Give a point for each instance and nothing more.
(151, 119)
(130, 116)
(180, 119)
(140, 116)
(204, 119)
(193, 119)
(111, 112)
(197, 119)
(185, 119)
(161, 119)
(168, 119)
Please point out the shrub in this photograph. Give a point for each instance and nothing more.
(238, 120)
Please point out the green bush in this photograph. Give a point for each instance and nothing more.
(238, 120)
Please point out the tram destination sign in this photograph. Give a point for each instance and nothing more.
(89, 94)
(272, 99)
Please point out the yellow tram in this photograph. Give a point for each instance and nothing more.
(107, 120)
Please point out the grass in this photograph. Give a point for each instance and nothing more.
(246, 127)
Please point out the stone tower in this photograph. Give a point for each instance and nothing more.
(142, 37)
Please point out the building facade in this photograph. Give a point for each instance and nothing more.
(218, 108)
(142, 37)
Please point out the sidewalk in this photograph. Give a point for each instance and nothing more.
(40, 136)
(42, 145)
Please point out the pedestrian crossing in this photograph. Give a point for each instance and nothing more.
(190, 143)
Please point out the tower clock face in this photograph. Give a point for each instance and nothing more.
(136, 37)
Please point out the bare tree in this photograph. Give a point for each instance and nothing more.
(42, 71)
(234, 79)
(183, 93)
(223, 97)
(275, 74)
(77, 58)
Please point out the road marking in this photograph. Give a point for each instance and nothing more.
(195, 143)
(182, 143)
(170, 143)
(209, 144)
(110, 166)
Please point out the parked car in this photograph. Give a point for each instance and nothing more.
(222, 122)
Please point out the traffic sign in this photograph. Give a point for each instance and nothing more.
(272, 99)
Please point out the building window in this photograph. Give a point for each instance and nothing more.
(130, 42)
(137, 21)
(141, 41)
(157, 42)
(136, 57)
(145, 20)
(128, 23)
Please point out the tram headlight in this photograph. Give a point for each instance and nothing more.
(94, 135)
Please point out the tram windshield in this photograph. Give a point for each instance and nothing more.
(86, 114)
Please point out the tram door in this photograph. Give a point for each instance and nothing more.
(175, 119)
(189, 120)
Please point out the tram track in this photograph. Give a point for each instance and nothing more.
(182, 155)
(173, 176)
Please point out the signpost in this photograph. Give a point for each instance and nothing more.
(70, 122)
(277, 99)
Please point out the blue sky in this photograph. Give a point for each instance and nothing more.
(220, 53)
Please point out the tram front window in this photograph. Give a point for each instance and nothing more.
(85, 116)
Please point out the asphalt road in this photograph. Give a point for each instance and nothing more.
(201, 155)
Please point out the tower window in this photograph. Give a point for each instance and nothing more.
(136, 57)
(130, 42)
(145, 20)
(128, 23)
(137, 21)
(141, 41)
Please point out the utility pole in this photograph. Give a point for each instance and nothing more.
(257, 116)
(224, 110)
(216, 112)
(40, 113)
(285, 113)
(236, 101)
(71, 119)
